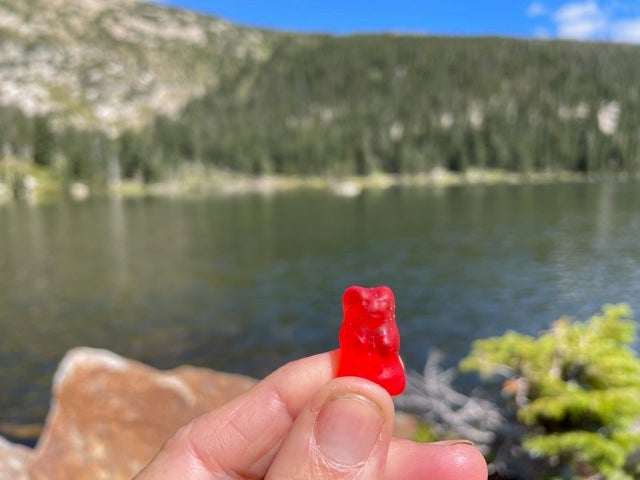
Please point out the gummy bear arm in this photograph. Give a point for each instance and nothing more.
(387, 339)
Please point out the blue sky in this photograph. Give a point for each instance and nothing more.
(604, 20)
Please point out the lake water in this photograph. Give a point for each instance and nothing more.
(246, 283)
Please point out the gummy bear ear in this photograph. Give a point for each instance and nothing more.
(354, 295)
(382, 292)
(380, 299)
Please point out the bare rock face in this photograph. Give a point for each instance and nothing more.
(110, 415)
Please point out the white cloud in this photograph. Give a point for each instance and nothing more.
(536, 9)
(581, 21)
(626, 31)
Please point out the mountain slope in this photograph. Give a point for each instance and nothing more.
(114, 63)
(100, 90)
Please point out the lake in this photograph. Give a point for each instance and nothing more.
(246, 283)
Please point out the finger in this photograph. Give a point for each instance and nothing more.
(343, 433)
(241, 438)
(450, 460)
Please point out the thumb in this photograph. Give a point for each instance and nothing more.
(343, 433)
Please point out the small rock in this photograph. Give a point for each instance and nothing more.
(79, 191)
(110, 415)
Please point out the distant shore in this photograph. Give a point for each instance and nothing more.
(218, 182)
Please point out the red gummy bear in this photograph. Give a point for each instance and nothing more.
(369, 338)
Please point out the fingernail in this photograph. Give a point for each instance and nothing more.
(347, 429)
(449, 443)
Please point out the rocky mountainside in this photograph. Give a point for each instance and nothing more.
(115, 63)
(99, 91)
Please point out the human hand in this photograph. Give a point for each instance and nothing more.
(303, 423)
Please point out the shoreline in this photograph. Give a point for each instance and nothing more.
(43, 188)
(229, 183)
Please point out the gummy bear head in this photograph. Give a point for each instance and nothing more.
(377, 304)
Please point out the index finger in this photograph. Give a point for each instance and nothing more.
(241, 438)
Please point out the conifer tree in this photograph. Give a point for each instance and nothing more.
(576, 388)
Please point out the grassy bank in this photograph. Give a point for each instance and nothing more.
(39, 184)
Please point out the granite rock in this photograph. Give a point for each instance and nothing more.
(110, 415)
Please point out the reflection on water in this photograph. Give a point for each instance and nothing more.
(246, 283)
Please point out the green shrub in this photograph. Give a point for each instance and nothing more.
(575, 388)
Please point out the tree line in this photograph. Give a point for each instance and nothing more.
(325, 105)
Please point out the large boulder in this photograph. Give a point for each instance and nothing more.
(109, 415)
